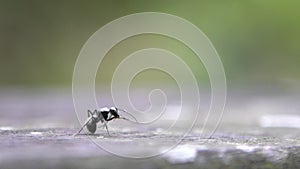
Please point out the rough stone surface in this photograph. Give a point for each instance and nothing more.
(58, 148)
(258, 130)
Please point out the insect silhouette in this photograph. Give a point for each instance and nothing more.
(104, 115)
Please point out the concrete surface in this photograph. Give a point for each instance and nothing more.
(257, 131)
(58, 148)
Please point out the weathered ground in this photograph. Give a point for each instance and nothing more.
(37, 132)
(58, 148)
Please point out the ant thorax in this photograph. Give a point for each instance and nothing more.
(104, 113)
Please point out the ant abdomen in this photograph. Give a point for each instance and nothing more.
(91, 126)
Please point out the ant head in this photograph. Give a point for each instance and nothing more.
(114, 112)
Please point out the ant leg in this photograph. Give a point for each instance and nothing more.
(90, 113)
(105, 125)
(82, 126)
(106, 129)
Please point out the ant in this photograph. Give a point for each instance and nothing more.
(104, 115)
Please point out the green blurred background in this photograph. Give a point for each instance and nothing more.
(258, 41)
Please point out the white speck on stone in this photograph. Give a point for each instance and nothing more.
(36, 133)
(159, 130)
(182, 154)
(6, 128)
(281, 120)
(246, 148)
(125, 129)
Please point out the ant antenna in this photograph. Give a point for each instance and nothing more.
(135, 120)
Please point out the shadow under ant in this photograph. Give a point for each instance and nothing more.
(104, 135)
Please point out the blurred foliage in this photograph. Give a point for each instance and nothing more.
(258, 41)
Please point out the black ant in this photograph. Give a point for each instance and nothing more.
(104, 115)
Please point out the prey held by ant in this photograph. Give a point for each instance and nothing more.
(104, 115)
